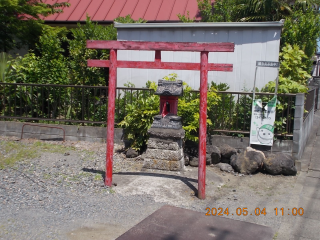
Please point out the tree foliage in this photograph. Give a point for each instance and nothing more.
(79, 54)
(292, 75)
(20, 21)
(302, 28)
(50, 67)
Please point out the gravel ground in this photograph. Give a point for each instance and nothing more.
(58, 193)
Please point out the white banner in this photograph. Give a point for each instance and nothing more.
(262, 122)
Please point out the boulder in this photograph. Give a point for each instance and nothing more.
(248, 162)
(193, 161)
(226, 153)
(279, 163)
(186, 160)
(225, 167)
(131, 153)
(208, 159)
(215, 154)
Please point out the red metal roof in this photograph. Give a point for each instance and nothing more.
(108, 10)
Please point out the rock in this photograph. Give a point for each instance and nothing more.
(225, 167)
(131, 153)
(208, 159)
(227, 151)
(248, 161)
(215, 154)
(186, 160)
(194, 161)
(225, 160)
(279, 163)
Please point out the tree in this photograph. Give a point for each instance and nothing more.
(302, 28)
(262, 10)
(20, 21)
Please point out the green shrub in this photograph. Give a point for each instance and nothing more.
(139, 117)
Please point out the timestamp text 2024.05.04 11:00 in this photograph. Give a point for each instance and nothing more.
(257, 212)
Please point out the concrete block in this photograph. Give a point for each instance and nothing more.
(299, 99)
(31, 129)
(3, 126)
(297, 135)
(297, 163)
(73, 132)
(164, 154)
(235, 142)
(299, 111)
(164, 164)
(297, 123)
(51, 131)
(296, 147)
(11, 134)
(282, 146)
(13, 126)
(118, 133)
(296, 156)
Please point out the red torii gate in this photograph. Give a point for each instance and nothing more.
(204, 67)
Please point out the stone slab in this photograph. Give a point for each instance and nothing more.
(176, 223)
(164, 164)
(166, 133)
(162, 154)
(158, 143)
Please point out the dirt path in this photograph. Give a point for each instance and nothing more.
(55, 190)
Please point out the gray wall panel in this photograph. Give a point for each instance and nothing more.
(251, 44)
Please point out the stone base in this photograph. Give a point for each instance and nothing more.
(164, 149)
(158, 143)
(164, 164)
(163, 154)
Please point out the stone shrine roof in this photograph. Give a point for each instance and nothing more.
(169, 88)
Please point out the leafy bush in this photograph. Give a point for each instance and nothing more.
(139, 117)
(292, 75)
(50, 67)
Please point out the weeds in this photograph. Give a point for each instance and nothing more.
(12, 152)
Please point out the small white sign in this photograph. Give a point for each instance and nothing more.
(262, 122)
(267, 64)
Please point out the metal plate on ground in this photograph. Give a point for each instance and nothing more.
(172, 223)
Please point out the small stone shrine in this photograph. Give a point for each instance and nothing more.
(164, 147)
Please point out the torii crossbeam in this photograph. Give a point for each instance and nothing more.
(203, 67)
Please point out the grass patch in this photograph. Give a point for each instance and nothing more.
(98, 177)
(275, 236)
(12, 152)
(15, 152)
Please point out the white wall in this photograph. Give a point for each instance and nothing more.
(251, 44)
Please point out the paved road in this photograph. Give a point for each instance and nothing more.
(306, 194)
